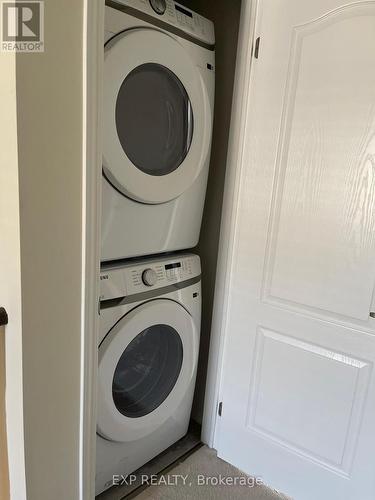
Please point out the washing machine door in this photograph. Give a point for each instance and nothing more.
(147, 364)
(157, 116)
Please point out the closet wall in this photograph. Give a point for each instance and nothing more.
(226, 17)
(51, 179)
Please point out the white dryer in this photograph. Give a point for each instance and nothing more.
(148, 352)
(158, 104)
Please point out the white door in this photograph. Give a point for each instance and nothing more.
(298, 387)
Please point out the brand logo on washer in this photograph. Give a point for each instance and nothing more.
(104, 277)
(22, 26)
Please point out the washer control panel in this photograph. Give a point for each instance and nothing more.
(137, 277)
(176, 15)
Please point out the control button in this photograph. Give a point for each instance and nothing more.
(159, 6)
(149, 277)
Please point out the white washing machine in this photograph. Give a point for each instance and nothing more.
(148, 352)
(159, 81)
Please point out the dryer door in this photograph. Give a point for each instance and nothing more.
(147, 364)
(157, 116)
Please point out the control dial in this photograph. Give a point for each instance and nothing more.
(159, 6)
(149, 277)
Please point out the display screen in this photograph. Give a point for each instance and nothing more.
(172, 266)
(183, 11)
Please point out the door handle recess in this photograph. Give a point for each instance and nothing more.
(3, 317)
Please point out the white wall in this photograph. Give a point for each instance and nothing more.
(50, 110)
(10, 269)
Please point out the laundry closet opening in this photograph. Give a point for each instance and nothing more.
(168, 77)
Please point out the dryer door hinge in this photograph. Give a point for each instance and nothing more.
(256, 48)
(220, 409)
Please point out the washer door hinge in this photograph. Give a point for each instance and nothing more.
(256, 48)
(220, 409)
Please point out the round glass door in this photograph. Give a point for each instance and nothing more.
(154, 119)
(147, 371)
(146, 364)
(157, 116)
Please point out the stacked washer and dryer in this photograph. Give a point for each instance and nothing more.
(157, 124)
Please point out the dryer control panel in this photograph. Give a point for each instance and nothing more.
(140, 276)
(176, 15)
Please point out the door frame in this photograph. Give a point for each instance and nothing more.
(93, 43)
(232, 190)
(12, 454)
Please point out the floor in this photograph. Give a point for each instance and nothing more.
(161, 464)
(197, 477)
(190, 470)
